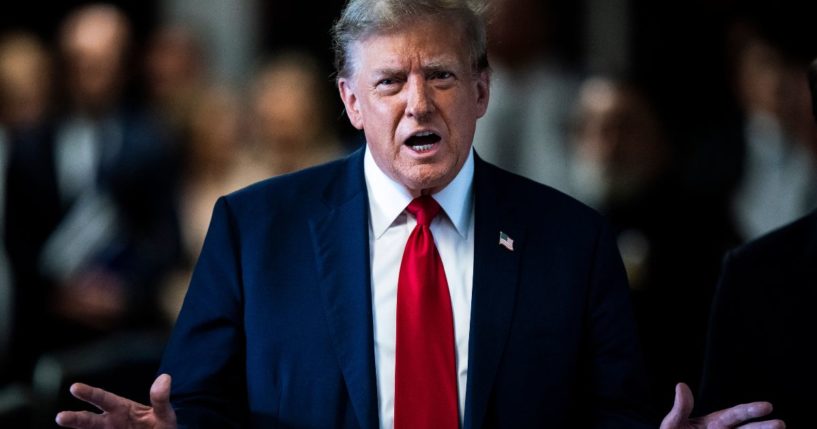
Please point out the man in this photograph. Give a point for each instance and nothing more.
(25, 95)
(757, 167)
(300, 311)
(91, 224)
(766, 296)
(624, 165)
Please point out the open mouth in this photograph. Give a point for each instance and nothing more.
(423, 141)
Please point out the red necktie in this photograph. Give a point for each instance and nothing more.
(425, 382)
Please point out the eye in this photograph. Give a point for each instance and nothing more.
(441, 75)
(388, 82)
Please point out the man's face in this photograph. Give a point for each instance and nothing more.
(415, 96)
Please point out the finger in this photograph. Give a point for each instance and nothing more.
(104, 400)
(160, 397)
(740, 413)
(80, 420)
(681, 409)
(769, 424)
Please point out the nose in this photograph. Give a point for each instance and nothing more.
(418, 103)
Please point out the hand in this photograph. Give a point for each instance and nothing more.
(119, 412)
(678, 417)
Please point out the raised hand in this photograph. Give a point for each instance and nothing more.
(119, 412)
(679, 416)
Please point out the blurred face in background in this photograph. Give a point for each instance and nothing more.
(414, 94)
(215, 124)
(772, 84)
(94, 44)
(618, 139)
(761, 77)
(25, 80)
(173, 62)
(288, 104)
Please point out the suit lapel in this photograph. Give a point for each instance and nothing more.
(341, 241)
(494, 288)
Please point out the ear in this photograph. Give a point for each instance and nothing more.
(483, 87)
(351, 102)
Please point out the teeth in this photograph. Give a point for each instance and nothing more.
(423, 148)
(424, 134)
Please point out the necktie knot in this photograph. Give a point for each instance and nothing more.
(424, 209)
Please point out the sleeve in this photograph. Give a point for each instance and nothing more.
(206, 352)
(614, 365)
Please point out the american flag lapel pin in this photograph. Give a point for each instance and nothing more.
(505, 241)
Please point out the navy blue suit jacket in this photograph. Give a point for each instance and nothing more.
(276, 329)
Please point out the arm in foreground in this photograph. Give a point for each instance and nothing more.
(119, 412)
(734, 417)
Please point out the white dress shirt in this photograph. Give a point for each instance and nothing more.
(389, 229)
(778, 183)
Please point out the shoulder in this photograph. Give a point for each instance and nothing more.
(551, 224)
(533, 200)
(788, 243)
(299, 191)
(779, 262)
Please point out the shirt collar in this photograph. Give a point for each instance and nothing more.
(388, 199)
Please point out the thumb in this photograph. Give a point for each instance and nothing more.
(681, 409)
(160, 398)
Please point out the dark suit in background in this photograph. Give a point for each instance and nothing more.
(136, 174)
(763, 326)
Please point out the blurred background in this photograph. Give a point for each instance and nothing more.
(687, 124)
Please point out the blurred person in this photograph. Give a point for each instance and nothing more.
(212, 168)
(768, 287)
(25, 81)
(619, 146)
(25, 101)
(779, 176)
(624, 164)
(761, 167)
(216, 125)
(525, 128)
(341, 295)
(292, 127)
(91, 225)
(176, 74)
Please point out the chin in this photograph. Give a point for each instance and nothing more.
(429, 180)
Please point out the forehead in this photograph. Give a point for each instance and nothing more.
(420, 42)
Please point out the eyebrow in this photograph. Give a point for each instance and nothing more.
(437, 66)
(388, 71)
(433, 66)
